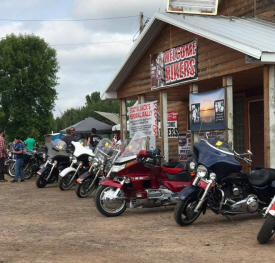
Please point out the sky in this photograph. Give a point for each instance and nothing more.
(84, 68)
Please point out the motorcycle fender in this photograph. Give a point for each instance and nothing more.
(84, 176)
(111, 183)
(191, 191)
(42, 170)
(66, 171)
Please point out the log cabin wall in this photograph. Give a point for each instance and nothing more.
(264, 9)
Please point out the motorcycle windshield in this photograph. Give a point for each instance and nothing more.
(105, 150)
(138, 143)
(56, 148)
(220, 145)
(59, 145)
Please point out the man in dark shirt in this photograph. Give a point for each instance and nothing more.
(68, 138)
(3, 155)
(77, 135)
(94, 139)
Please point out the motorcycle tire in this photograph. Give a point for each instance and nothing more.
(64, 182)
(41, 181)
(11, 169)
(82, 190)
(28, 171)
(107, 208)
(184, 212)
(267, 230)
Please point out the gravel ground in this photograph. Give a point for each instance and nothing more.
(49, 225)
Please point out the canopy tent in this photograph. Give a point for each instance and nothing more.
(114, 117)
(117, 127)
(87, 124)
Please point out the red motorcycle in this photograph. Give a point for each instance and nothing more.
(139, 180)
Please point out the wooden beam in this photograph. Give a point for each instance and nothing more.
(141, 99)
(272, 115)
(266, 118)
(164, 128)
(123, 122)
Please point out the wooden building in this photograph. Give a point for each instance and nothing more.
(237, 53)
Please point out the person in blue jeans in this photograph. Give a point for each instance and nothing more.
(18, 156)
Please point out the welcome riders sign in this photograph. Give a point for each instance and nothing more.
(174, 65)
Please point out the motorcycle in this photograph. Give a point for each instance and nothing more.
(57, 154)
(221, 185)
(79, 161)
(138, 180)
(100, 167)
(268, 228)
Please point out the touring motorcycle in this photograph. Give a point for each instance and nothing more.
(221, 185)
(139, 180)
(268, 228)
(57, 155)
(100, 167)
(79, 164)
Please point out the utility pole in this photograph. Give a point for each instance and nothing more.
(140, 22)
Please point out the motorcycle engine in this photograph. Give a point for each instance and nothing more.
(247, 205)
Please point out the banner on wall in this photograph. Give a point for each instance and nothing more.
(184, 145)
(143, 118)
(174, 65)
(172, 124)
(207, 110)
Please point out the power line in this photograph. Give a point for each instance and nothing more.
(65, 20)
(91, 43)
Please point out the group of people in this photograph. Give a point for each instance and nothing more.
(17, 149)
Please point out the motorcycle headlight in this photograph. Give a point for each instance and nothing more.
(10, 154)
(90, 158)
(50, 159)
(74, 159)
(192, 165)
(212, 176)
(96, 162)
(201, 171)
(127, 180)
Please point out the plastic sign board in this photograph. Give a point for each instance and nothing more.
(202, 7)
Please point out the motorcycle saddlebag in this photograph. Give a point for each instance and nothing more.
(262, 177)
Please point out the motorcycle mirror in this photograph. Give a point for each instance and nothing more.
(206, 135)
(142, 153)
(249, 152)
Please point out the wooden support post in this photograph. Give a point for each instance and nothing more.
(228, 84)
(123, 122)
(141, 99)
(266, 118)
(164, 128)
(195, 135)
(272, 116)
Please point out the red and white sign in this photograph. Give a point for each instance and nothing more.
(172, 124)
(143, 118)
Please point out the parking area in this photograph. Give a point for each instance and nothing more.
(49, 225)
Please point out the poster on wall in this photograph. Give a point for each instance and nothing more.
(174, 65)
(172, 124)
(184, 146)
(143, 118)
(207, 110)
(212, 135)
(202, 7)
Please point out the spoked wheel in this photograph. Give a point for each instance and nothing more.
(66, 182)
(41, 179)
(107, 203)
(11, 169)
(184, 213)
(82, 190)
(267, 230)
(28, 171)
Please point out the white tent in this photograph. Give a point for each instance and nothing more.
(117, 127)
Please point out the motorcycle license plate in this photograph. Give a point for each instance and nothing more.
(202, 184)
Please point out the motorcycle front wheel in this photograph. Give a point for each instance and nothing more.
(106, 205)
(66, 182)
(41, 181)
(82, 190)
(267, 230)
(28, 171)
(184, 213)
(11, 169)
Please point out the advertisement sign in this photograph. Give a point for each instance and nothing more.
(174, 65)
(172, 124)
(184, 145)
(202, 7)
(207, 110)
(143, 118)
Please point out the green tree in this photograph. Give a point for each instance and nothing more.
(28, 68)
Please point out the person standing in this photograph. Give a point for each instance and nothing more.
(18, 155)
(94, 139)
(30, 142)
(77, 135)
(3, 155)
(68, 138)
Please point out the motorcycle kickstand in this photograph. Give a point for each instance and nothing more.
(231, 220)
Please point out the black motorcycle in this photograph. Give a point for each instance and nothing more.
(222, 186)
(57, 155)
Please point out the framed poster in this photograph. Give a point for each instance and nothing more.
(202, 7)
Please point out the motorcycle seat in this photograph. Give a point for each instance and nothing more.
(262, 177)
(170, 164)
(179, 173)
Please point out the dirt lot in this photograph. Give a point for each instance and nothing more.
(48, 225)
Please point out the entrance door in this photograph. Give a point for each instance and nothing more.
(256, 128)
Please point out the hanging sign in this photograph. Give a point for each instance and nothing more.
(184, 146)
(202, 7)
(172, 124)
(207, 110)
(143, 118)
(174, 65)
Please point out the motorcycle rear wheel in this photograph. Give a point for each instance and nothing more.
(267, 230)
(11, 169)
(82, 190)
(64, 182)
(105, 206)
(28, 171)
(184, 213)
(41, 181)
